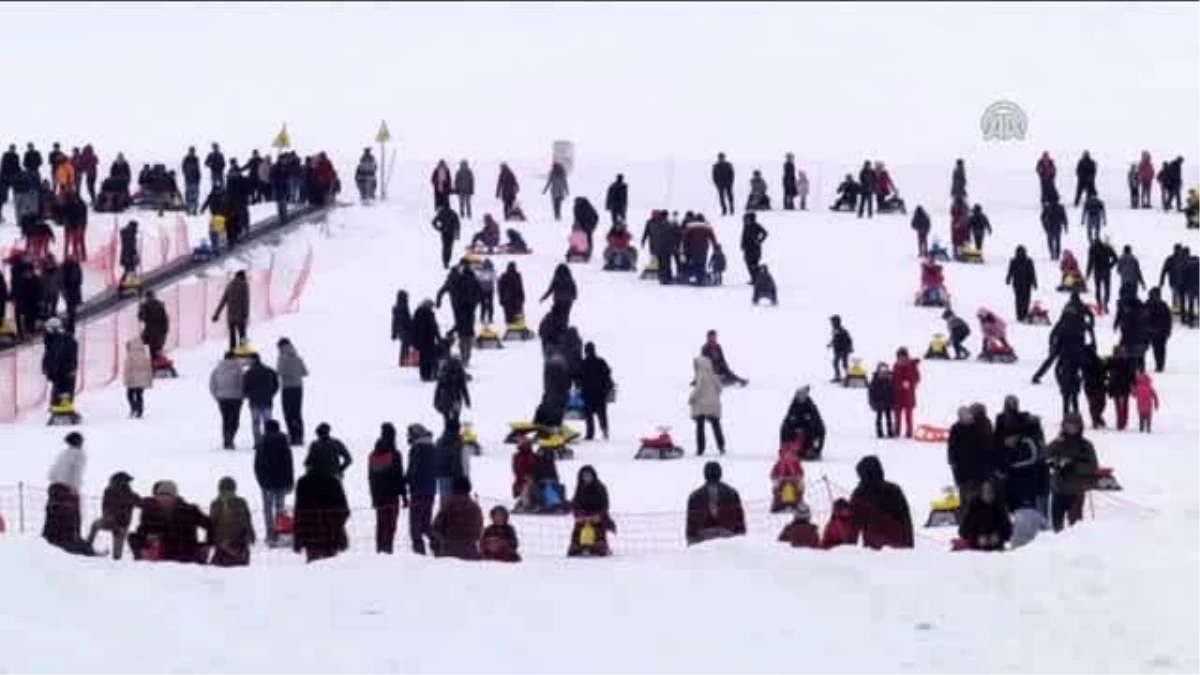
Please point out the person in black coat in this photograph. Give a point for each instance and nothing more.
(803, 423)
(32, 162)
(562, 291)
(422, 484)
(1085, 177)
(1158, 327)
(1095, 384)
(320, 516)
(129, 258)
(764, 287)
(1023, 278)
(385, 477)
(155, 323)
(1054, 224)
(425, 338)
(1070, 379)
(451, 394)
(327, 454)
(447, 224)
(753, 236)
(402, 322)
(866, 185)
(880, 509)
(722, 177)
(589, 504)
(1172, 273)
(881, 396)
(1189, 286)
(921, 225)
(72, 290)
(275, 472)
(595, 386)
(970, 454)
(1121, 374)
(842, 345)
(511, 291)
(714, 510)
(789, 183)
(616, 201)
(958, 181)
(60, 360)
(1100, 262)
(1131, 320)
(556, 391)
(986, 525)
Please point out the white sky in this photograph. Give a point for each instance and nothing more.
(908, 82)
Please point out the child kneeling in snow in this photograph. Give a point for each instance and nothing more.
(841, 529)
(764, 286)
(499, 540)
(801, 533)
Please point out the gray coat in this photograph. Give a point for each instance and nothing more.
(556, 185)
(225, 383)
(464, 181)
(235, 301)
(291, 368)
(705, 399)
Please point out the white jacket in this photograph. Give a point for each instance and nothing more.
(705, 399)
(68, 468)
(138, 372)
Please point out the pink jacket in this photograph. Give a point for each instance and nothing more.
(994, 327)
(1147, 398)
(1146, 169)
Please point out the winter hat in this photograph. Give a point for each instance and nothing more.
(802, 393)
(226, 485)
(1073, 418)
(1011, 403)
(323, 430)
(120, 477)
(802, 511)
(272, 426)
(166, 488)
(74, 439)
(461, 485)
(712, 472)
(416, 431)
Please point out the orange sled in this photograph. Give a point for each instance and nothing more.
(931, 434)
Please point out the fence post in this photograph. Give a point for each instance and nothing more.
(21, 507)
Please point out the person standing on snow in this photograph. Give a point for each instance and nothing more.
(722, 178)
(448, 225)
(425, 339)
(215, 163)
(705, 403)
(225, 385)
(291, 370)
(1023, 278)
(327, 454)
(595, 387)
(979, 225)
(422, 485)
(507, 189)
(1046, 172)
(1085, 177)
(1073, 470)
(464, 187)
(1100, 262)
(385, 477)
(905, 377)
(556, 185)
(511, 290)
(866, 195)
(753, 236)
(616, 201)
(63, 523)
(958, 181)
(443, 185)
(789, 183)
(842, 346)
(138, 376)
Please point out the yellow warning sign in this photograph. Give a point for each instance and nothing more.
(383, 136)
(282, 140)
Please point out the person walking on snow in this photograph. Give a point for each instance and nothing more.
(1023, 278)
(1085, 177)
(1094, 217)
(138, 376)
(842, 346)
(753, 236)
(291, 370)
(235, 302)
(556, 185)
(443, 185)
(274, 471)
(448, 226)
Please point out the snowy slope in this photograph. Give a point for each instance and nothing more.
(1116, 594)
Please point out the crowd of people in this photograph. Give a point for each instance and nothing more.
(1011, 482)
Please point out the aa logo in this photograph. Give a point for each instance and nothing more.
(1004, 121)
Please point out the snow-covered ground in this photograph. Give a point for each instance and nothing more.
(1117, 593)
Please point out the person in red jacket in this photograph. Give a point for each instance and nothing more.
(788, 471)
(905, 378)
(88, 162)
(1046, 172)
(1146, 175)
(841, 529)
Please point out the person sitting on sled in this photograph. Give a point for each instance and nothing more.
(847, 195)
(933, 282)
(841, 529)
(499, 540)
(577, 247)
(801, 533)
(1072, 276)
(488, 237)
(714, 510)
(589, 505)
(994, 330)
(959, 331)
(787, 478)
(523, 464)
(619, 253)
(960, 230)
(516, 243)
(803, 426)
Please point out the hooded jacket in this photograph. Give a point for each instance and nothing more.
(880, 508)
(290, 368)
(225, 382)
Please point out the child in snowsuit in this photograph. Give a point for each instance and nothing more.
(959, 331)
(1147, 401)
(842, 346)
(787, 479)
(933, 283)
(499, 539)
(994, 330)
(801, 533)
(881, 397)
(764, 286)
(716, 267)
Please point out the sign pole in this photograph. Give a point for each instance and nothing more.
(382, 137)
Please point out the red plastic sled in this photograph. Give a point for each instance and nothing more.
(931, 434)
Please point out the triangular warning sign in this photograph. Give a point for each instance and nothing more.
(383, 136)
(282, 140)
